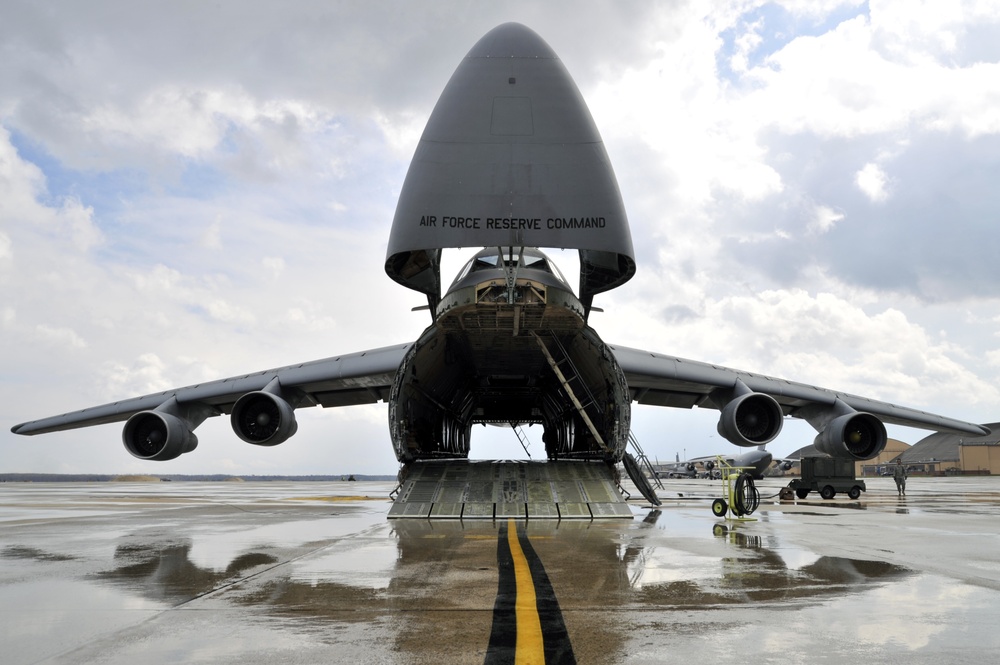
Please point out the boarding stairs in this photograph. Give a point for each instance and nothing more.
(643, 460)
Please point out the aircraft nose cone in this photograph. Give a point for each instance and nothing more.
(510, 138)
(511, 40)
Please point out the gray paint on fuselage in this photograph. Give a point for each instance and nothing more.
(510, 157)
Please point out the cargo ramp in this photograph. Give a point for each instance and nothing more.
(463, 489)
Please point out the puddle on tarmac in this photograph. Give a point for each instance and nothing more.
(367, 565)
(47, 616)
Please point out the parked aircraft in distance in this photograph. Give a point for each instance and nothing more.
(510, 161)
(756, 462)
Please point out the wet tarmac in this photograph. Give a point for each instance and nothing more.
(315, 573)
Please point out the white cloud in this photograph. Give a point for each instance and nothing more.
(402, 131)
(212, 237)
(818, 9)
(848, 82)
(227, 312)
(174, 119)
(273, 264)
(60, 336)
(65, 223)
(873, 181)
(142, 376)
(924, 30)
(20, 182)
(825, 219)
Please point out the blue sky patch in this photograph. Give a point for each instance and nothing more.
(104, 191)
(777, 27)
(107, 192)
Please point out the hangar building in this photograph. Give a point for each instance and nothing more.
(935, 455)
(941, 453)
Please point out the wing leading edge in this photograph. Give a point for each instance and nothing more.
(662, 380)
(364, 377)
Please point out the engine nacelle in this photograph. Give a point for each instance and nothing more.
(751, 419)
(263, 419)
(859, 436)
(155, 435)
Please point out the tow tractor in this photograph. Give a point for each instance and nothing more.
(741, 496)
(828, 476)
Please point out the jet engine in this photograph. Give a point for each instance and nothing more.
(156, 435)
(263, 418)
(750, 419)
(856, 435)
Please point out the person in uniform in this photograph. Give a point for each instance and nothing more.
(899, 475)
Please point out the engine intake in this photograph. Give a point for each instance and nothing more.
(263, 418)
(750, 419)
(859, 436)
(156, 435)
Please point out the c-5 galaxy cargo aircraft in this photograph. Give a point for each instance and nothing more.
(756, 462)
(511, 161)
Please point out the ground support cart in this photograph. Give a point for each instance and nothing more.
(741, 497)
(828, 476)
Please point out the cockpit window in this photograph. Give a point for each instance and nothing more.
(487, 262)
(494, 260)
(536, 263)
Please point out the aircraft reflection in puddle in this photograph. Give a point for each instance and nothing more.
(164, 571)
(442, 577)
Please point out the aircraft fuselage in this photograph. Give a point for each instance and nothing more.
(509, 345)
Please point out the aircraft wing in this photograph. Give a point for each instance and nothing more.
(729, 457)
(357, 378)
(661, 380)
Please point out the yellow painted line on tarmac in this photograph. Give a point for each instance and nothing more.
(530, 647)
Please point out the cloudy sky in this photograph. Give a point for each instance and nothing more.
(195, 190)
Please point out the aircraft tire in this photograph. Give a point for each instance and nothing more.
(828, 492)
(719, 507)
(854, 493)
